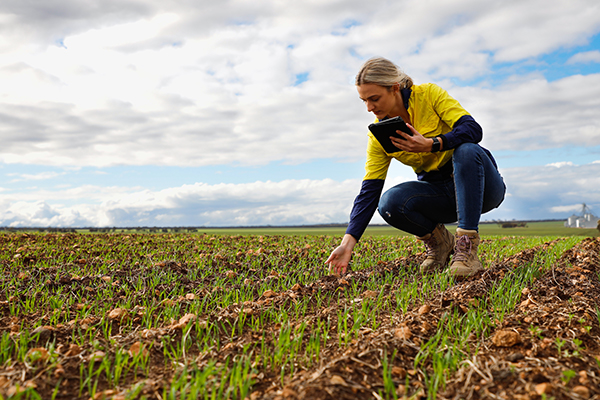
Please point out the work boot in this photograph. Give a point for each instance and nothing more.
(465, 261)
(439, 245)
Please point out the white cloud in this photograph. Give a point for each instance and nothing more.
(295, 124)
(34, 177)
(574, 208)
(585, 57)
(553, 24)
(140, 85)
(287, 202)
(118, 36)
(561, 164)
(532, 193)
(123, 82)
(536, 114)
(539, 190)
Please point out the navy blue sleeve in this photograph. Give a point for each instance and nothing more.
(364, 207)
(465, 130)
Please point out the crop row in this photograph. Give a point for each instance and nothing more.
(199, 316)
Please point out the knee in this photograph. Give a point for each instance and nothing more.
(385, 206)
(467, 154)
(393, 203)
(467, 150)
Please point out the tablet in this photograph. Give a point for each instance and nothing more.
(382, 131)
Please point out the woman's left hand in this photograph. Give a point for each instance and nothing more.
(416, 143)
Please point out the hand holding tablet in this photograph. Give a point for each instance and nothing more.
(382, 131)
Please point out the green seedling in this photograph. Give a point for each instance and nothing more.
(559, 345)
(567, 376)
(536, 331)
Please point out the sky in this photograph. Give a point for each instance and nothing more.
(120, 113)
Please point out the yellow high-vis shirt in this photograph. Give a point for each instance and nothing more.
(432, 112)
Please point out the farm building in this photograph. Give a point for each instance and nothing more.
(586, 220)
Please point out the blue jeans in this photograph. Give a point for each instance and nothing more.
(476, 188)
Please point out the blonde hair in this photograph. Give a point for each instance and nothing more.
(381, 71)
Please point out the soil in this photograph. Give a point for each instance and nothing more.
(546, 346)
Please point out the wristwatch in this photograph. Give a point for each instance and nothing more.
(436, 145)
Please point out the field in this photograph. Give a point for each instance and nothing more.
(536, 228)
(231, 316)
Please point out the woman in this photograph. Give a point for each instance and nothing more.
(458, 180)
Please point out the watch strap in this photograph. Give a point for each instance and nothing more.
(436, 145)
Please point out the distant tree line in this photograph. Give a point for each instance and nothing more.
(513, 224)
(99, 230)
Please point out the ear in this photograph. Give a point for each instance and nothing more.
(396, 88)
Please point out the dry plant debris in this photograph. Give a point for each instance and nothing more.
(195, 316)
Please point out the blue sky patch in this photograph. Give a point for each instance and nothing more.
(301, 78)
(575, 155)
(18, 177)
(552, 66)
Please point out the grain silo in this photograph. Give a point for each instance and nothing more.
(586, 219)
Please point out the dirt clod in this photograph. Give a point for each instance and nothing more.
(337, 380)
(403, 333)
(138, 348)
(74, 349)
(231, 274)
(582, 391)
(543, 388)
(371, 294)
(506, 338)
(117, 314)
(424, 309)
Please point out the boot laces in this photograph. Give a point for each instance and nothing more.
(431, 245)
(463, 248)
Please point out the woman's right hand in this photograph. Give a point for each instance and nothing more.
(340, 257)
